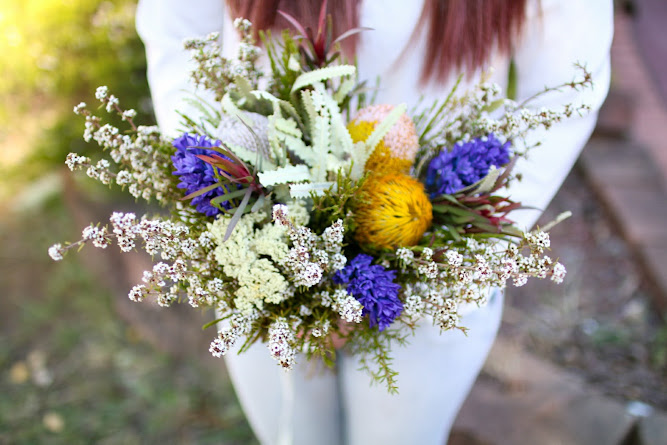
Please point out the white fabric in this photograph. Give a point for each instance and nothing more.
(436, 371)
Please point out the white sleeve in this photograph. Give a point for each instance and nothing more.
(163, 25)
(561, 33)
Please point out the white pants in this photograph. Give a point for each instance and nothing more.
(314, 406)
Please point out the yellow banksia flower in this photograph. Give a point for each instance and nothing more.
(397, 150)
(394, 211)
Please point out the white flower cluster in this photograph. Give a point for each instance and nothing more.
(56, 252)
(171, 241)
(99, 236)
(76, 162)
(348, 307)
(405, 256)
(467, 274)
(239, 325)
(101, 172)
(538, 240)
(482, 109)
(320, 329)
(139, 156)
(217, 73)
(257, 278)
(446, 316)
(310, 256)
(281, 343)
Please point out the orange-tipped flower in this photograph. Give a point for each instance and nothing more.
(397, 150)
(395, 211)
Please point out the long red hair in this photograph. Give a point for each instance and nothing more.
(460, 34)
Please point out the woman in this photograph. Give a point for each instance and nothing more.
(416, 48)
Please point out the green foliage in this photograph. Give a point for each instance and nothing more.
(374, 351)
(65, 49)
(58, 53)
(104, 384)
(282, 60)
(336, 203)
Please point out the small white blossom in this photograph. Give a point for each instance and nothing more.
(76, 162)
(56, 252)
(281, 339)
(326, 299)
(347, 306)
(78, 109)
(454, 258)
(166, 299)
(309, 276)
(112, 102)
(430, 270)
(338, 262)
(414, 306)
(333, 237)
(558, 273)
(405, 255)
(123, 177)
(305, 311)
(321, 329)
(519, 280)
(280, 213)
(129, 114)
(538, 240)
(138, 293)
(427, 254)
(101, 92)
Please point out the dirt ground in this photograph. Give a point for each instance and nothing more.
(599, 322)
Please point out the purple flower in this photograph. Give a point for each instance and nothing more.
(196, 174)
(374, 288)
(464, 165)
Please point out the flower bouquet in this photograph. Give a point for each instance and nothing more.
(301, 212)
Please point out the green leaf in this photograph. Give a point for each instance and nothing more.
(284, 175)
(488, 182)
(322, 74)
(202, 191)
(304, 190)
(212, 323)
(360, 154)
(228, 196)
(493, 106)
(237, 214)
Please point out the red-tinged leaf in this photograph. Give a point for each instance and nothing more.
(243, 180)
(503, 178)
(213, 160)
(329, 34)
(294, 22)
(230, 154)
(511, 207)
(321, 23)
(226, 175)
(351, 32)
(226, 165)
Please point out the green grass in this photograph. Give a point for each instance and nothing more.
(72, 372)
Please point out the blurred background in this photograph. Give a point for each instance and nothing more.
(580, 363)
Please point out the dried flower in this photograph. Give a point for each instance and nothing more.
(373, 286)
(394, 211)
(465, 164)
